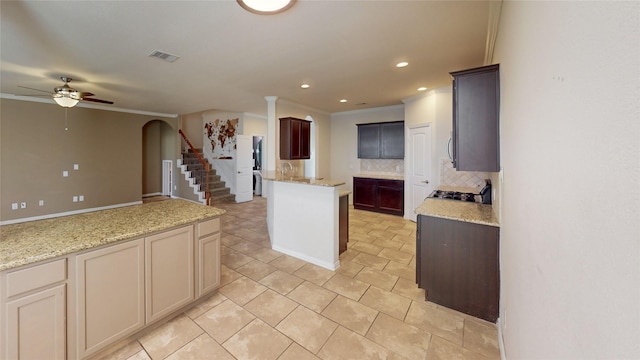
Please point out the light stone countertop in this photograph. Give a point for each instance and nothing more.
(458, 210)
(276, 176)
(380, 176)
(34, 241)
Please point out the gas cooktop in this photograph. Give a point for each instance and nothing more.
(456, 195)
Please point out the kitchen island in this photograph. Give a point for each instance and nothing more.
(71, 286)
(303, 217)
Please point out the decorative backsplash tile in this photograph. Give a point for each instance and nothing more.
(382, 166)
(451, 177)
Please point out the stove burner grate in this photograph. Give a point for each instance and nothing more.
(453, 195)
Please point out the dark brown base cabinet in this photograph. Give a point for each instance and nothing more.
(457, 265)
(379, 195)
(343, 223)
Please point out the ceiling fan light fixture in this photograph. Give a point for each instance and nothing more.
(266, 7)
(65, 101)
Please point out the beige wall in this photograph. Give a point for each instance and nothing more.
(570, 149)
(158, 142)
(434, 108)
(192, 126)
(35, 150)
(323, 128)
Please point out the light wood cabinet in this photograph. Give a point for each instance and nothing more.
(109, 295)
(207, 257)
(33, 316)
(76, 305)
(169, 272)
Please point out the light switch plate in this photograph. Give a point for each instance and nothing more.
(75, 199)
(76, 166)
(65, 173)
(81, 198)
(14, 206)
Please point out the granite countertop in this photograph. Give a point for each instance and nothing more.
(276, 176)
(458, 210)
(34, 241)
(380, 176)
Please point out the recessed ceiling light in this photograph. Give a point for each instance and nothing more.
(422, 88)
(266, 7)
(402, 64)
(343, 100)
(305, 86)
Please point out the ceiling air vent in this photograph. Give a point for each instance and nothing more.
(164, 56)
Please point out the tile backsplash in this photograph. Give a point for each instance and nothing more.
(382, 166)
(451, 177)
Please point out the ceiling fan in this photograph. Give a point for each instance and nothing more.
(67, 96)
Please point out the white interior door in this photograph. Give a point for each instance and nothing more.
(420, 181)
(244, 168)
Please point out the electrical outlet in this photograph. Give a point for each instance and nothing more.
(81, 198)
(76, 167)
(41, 203)
(75, 199)
(65, 173)
(23, 205)
(14, 206)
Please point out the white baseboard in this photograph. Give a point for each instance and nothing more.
(309, 259)
(503, 353)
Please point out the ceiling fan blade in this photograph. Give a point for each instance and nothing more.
(84, 94)
(98, 101)
(24, 87)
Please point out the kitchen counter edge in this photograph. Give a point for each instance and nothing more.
(458, 210)
(276, 176)
(35, 241)
(379, 176)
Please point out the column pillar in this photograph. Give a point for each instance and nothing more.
(272, 132)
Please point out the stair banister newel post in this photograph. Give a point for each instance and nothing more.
(205, 166)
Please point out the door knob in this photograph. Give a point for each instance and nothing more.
(425, 181)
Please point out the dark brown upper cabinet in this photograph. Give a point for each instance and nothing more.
(381, 140)
(476, 108)
(295, 139)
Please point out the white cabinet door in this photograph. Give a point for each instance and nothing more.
(208, 264)
(169, 271)
(36, 325)
(109, 295)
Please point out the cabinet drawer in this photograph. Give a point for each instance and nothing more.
(22, 281)
(391, 183)
(208, 227)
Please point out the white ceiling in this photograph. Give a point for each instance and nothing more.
(231, 59)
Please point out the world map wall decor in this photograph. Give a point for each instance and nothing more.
(222, 135)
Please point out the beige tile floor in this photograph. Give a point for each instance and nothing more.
(273, 306)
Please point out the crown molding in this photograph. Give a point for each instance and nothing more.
(86, 106)
(369, 110)
(495, 8)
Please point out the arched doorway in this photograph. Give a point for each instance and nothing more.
(158, 147)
